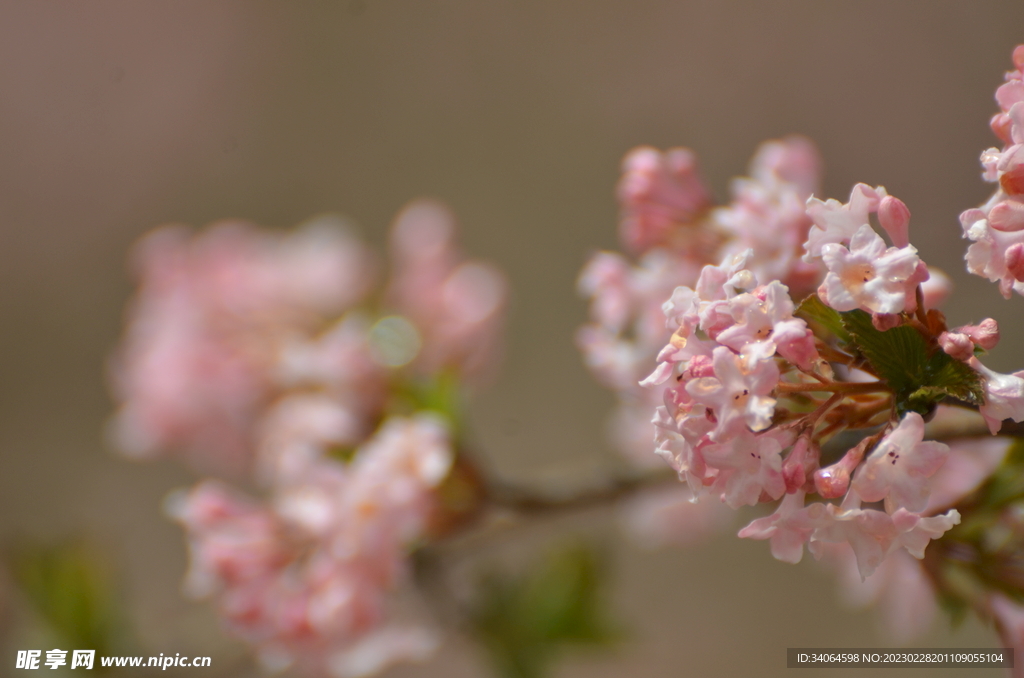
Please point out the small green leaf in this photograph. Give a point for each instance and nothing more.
(814, 312)
(898, 355)
(526, 622)
(955, 378)
(71, 587)
(342, 453)
(919, 375)
(1006, 485)
(955, 607)
(440, 393)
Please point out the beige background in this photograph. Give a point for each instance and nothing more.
(116, 117)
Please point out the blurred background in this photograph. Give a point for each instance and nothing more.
(116, 117)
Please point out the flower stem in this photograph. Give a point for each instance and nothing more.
(834, 387)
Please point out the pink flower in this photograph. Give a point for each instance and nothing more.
(749, 465)
(766, 315)
(658, 192)
(869, 275)
(869, 532)
(677, 440)
(833, 481)
(725, 281)
(899, 588)
(792, 160)
(995, 252)
(985, 334)
(297, 431)
(207, 324)
(669, 516)
(738, 394)
(970, 462)
(914, 532)
(1004, 396)
(894, 217)
(382, 648)
(605, 280)
(936, 289)
(837, 223)
(957, 345)
(307, 580)
(767, 213)
(235, 539)
(1009, 616)
(455, 305)
(997, 228)
(788, 528)
(960, 343)
(899, 467)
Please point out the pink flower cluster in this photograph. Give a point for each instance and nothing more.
(996, 229)
(265, 358)
(737, 350)
(669, 222)
(905, 596)
(754, 405)
(207, 325)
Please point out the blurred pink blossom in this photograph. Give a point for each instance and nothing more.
(308, 578)
(456, 305)
(205, 329)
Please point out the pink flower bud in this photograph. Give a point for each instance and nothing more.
(823, 294)
(894, 217)
(957, 345)
(833, 481)
(658, 192)
(885, 321)
(1015, 261)
(1018, 57)
(701, 366)
(1000, 124)
(1011, 167)
(800, 463)
(1007, 215)
(984, 334)
(936, 289)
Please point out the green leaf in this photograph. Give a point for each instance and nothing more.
(342, 453)
(526, 622)
(920, 375)
(71, 587)
(441, 393)
(955, 378)
(957, 609)
(1006, 485)
(816, 313)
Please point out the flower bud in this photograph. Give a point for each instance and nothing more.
(801, 462)
(1007, 215)
(701, 366)
(984, 334)
(885, 321)
(957, 345)
(1015, 261)
(1011, 168)
(936, 289)
(894, 216)
(833, 481)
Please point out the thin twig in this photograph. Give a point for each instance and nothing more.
(834, 387)
(530, 501)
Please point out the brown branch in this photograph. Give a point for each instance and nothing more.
(530, 501)
(834, 387)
